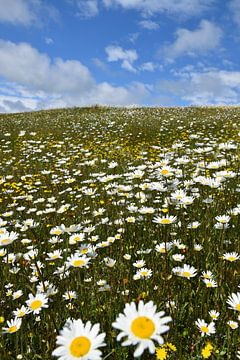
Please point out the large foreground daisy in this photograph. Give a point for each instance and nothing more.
(79, 341)
(141, 326)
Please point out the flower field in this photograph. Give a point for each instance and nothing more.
(119, 234)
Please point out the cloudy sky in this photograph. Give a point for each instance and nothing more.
(64, 53)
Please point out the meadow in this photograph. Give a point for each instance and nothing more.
(123, 217)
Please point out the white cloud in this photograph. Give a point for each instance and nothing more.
(49, 41)
(234, 6)
(149, 24)
(206, 37)
(87, 8)
(23, 64)
(26, 12)
(16, 12)
(148, 66)
(117, 53)
(150, 7)
(205, 88)
(33, 80)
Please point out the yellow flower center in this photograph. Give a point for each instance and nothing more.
(78, 263)
(12, 329)
(5, 241)
(57, 232)
(143, 327)
(84, 251)
(186, 274)
(238, 307)
(165, 221)
(209, 284)
(36, 304)
(164, 172)
(232, 258)
(80, 346)
(204, 329)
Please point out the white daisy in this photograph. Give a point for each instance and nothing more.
(12, 326)
(36, 303)
(234, 301)
(79, 341)
(141, 326)
(205, 329)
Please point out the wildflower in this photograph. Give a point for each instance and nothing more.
(13, 326)
(69, 295)
(76, 238)
(186, 271)
(20, 312)
(143, 273)
(233, 324)
(77, 261)
(7, 238)
(178, 257)
(210, 283)
(79, 341)
(234, 301)
(139, 263)
(141, 326)
(161, 353)
(164, 220)
(205, 329)
(56, 254)
(214, 314)
(36, 303)
(207, 351)
(233, 256)
(224, 219)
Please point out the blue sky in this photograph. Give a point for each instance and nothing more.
(64, 53)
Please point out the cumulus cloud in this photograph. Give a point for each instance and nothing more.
(26, 12)
(148, 66)
(149, 24)
(210, 87)
(151, 7)
(34, 80)
(206, 37)
(234, 6)
(87, 8)
(127, 57)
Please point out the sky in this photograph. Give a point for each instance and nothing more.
(66, 53)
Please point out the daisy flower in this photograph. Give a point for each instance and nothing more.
(7, 238)
(223, 219)
(141, 326)
(187, 271)
(20, 312)
(79, 341)
(234, 301)
(139, 263)
(36, 303)
(77, 261)
(233, 324)
(13, 326)
(76, 238)
(233, 256)
(205, 329)
(165, 220)
(214, 314)
(210, 283)
(56, 254)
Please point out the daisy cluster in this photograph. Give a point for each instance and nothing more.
(107, 215)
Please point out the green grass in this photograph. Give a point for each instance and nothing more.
(80, 144)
